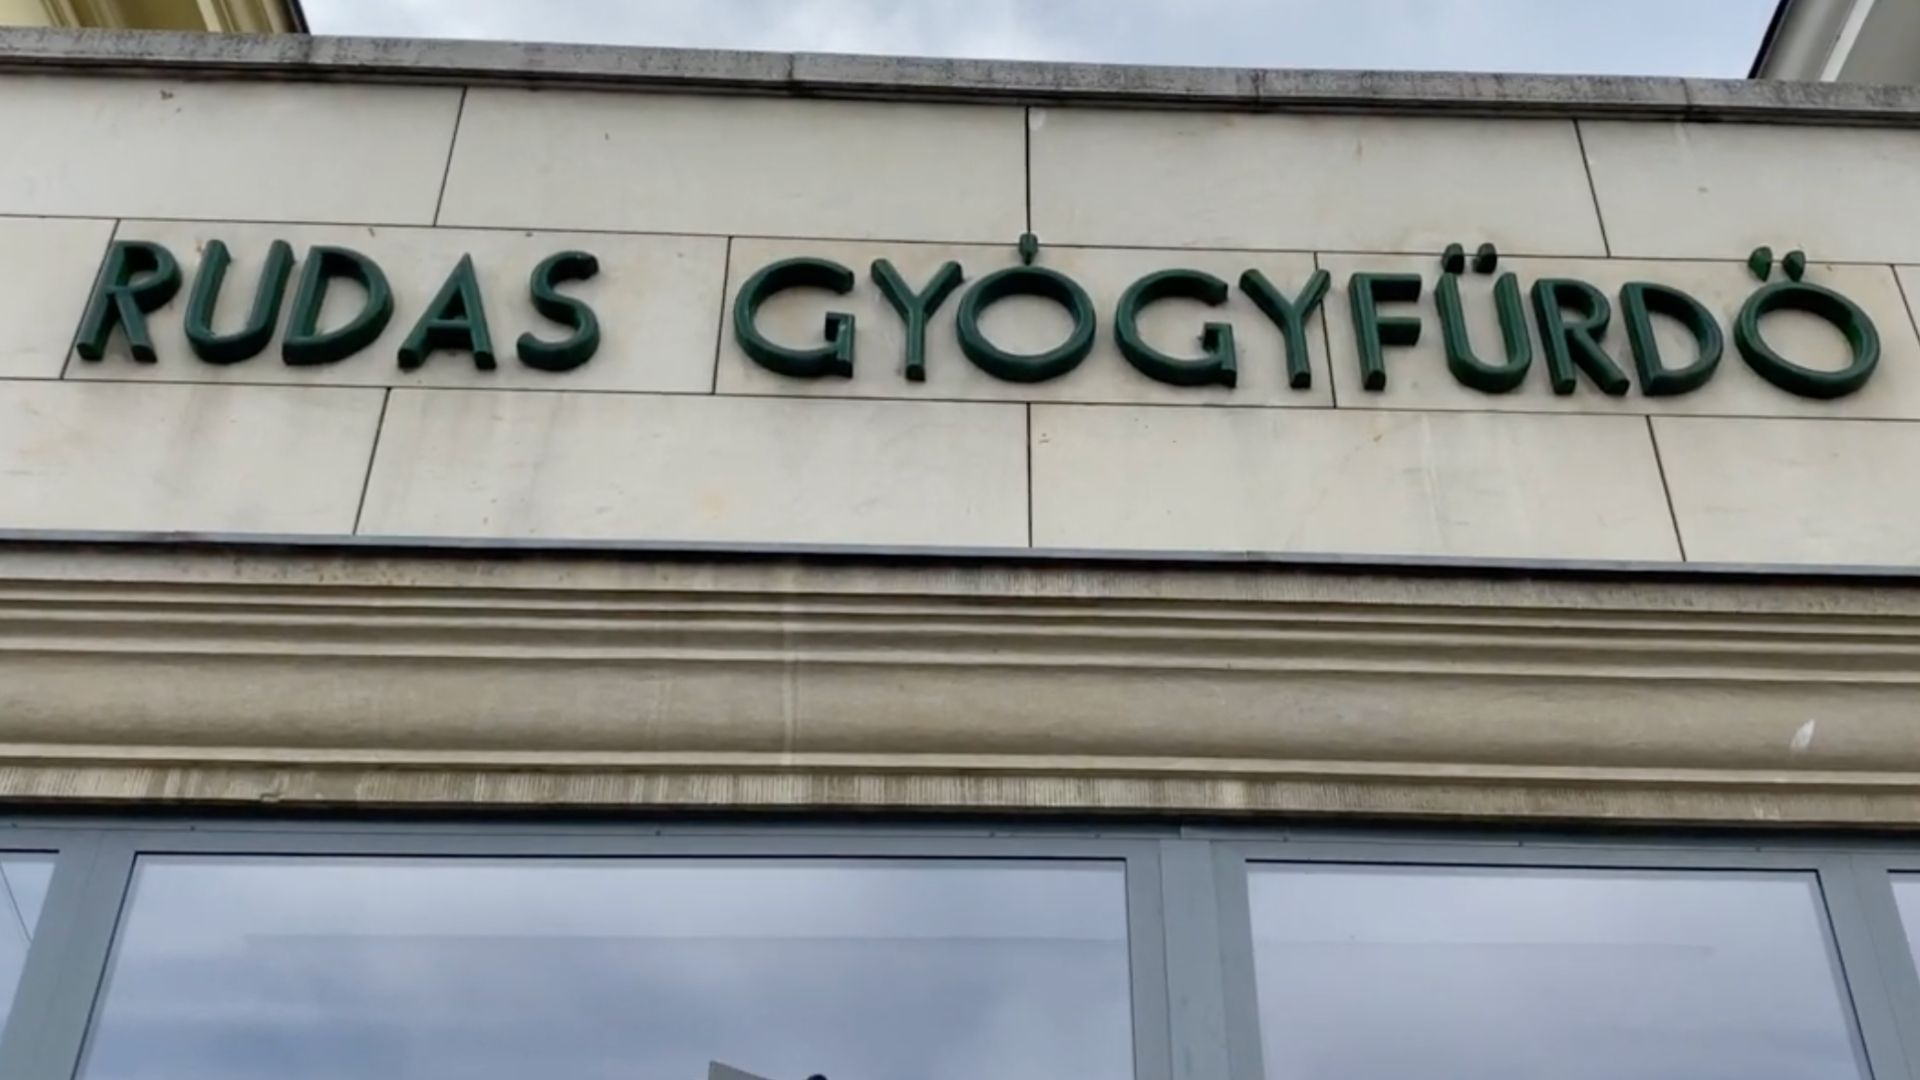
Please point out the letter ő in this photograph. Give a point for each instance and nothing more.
(915, 309)
(1035, 281)
(1220, 362)
(1640, 301)
(247, 342)
(138, 277)
(833, 358)
(1863, 340)
(1467, 367)
(1291, 317)
(305, 344)
(456, 318)
(578, 347)
(1373, 331)
(1576, 343)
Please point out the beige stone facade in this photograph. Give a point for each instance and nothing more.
(1101, 592)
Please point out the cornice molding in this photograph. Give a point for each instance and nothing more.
(231, 676)
(611, 67)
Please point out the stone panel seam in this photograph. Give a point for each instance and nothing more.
(1913, 317)
(1026, 132)
(66, 362)
(1326, 341)
(373, 455)
(720, 329)
(890, 399)
(1666, 489)
(1030, 456)
(1586, 163)
(1731, 258)
(453, 143)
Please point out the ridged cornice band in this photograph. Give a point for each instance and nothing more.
(227, 676)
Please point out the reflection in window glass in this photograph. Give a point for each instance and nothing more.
(392, 969)
(23, 891)
(1510, 974)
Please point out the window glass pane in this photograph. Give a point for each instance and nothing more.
(389, 969)
(23, 891)
(1515, 974)
(1906, 896)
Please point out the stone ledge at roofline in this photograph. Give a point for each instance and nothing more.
(606, 67)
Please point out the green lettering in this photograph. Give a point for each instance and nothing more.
(456, 318)
(578, 347)
(1467, 367)
(138, 277)
(1640, 301)
(1821, 302)
(1036, 281)
(247, 342)
(304, 343)
(833, 358)
(1291, 317)
(1372, 331)
(1219, 365)
(1577, 343)
(915, 309)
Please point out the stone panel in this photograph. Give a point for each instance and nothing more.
(183, 458)
(259, 151)
(47, 265)
(1348, 482)
(737, 470)
(1339, 183)
(760, 166)
(1717, 191)
(1794, 491)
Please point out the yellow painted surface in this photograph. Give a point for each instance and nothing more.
(239, 16)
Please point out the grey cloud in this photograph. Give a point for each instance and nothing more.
(1689, 37)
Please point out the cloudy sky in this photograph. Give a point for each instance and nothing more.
(1641, 37)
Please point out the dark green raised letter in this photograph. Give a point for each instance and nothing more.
(1027, 281)
(1219, 365)
(1571, 344)
(578, 347)
(247, 342)
(833, 358)
(915, 309)
(1290, 317)
(1845, 315)
(304, 343)
(139, 276)
(455, 319)
(1640, 300)
(1467, 368)
(1372, 331)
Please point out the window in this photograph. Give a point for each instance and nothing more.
(1515, 974)
(382, 969)
(23, 891)
(1906, 898)
(523, 950)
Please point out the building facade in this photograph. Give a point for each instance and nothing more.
(535, 560)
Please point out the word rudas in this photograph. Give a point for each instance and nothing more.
(140, 276)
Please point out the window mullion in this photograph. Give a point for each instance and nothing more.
(57, 989)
